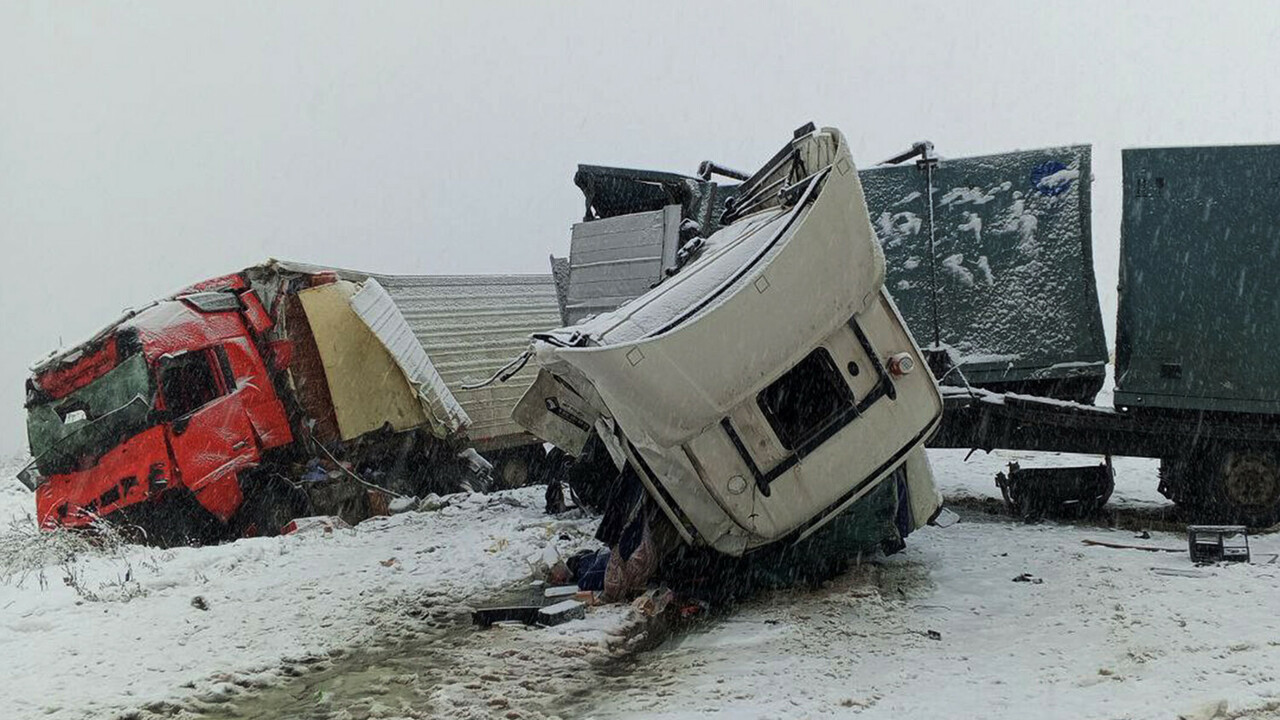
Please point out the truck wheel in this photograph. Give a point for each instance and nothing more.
(1247, 485)
(517, 468)
(1225, 483)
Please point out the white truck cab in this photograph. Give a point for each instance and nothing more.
(767, 385)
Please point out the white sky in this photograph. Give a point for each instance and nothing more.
(144, 146)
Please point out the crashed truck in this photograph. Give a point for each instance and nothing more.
(990, 260)
(280, 391)
(766, 386)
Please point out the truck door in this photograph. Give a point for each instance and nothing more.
(208, 430)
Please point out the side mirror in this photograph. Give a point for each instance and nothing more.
(180, 425)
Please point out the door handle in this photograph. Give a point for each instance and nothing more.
(240, 445)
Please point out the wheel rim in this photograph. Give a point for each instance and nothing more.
(1252, 480)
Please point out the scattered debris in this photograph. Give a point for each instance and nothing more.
(198, 602)
(1218, 543)
(1028, 578)
(1126, 546)
(1071, 492)
(316, 523)
(560, 591)
(653, 602)
(527, 614)
(561, 612)
(1180, 572)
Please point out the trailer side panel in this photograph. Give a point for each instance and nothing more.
(1010, 284)
(1199, 296)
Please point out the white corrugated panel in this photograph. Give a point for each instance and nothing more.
(379, 311)
(472, 325)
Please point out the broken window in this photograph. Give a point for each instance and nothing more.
(77, 428)
(805, 399)
(188, 383)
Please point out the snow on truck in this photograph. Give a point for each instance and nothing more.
(764, 387)
(283, 390)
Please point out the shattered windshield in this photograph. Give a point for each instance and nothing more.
(75, 428)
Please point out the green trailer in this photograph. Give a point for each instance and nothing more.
(1199, 296)
(991, 258)
(1199, 311)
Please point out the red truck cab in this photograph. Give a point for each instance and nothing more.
(171, 403)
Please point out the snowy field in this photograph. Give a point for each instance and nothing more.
(371, 622)
(942, 630)
(275, 606)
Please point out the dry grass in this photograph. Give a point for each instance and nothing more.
(97, 562)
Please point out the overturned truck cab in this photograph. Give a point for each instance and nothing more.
(243, 402)
(764, 387)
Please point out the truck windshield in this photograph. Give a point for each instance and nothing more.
(75, 429)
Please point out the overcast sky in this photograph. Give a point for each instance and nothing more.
(144, 146)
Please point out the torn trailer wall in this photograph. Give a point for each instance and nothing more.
(470, 325)
(1010, 289)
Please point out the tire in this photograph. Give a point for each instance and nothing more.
(513, 472)
(1246, 485)
(1226, 483)
(269, 504)
(518, 468)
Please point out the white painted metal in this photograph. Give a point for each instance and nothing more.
(768, 289)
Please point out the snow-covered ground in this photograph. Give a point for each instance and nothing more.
(275, 606)
(1095, 632)
(364, 623)
(943, 630)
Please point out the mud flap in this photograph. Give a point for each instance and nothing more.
(924, 498)
(553, 412)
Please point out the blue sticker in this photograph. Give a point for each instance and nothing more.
(1042, 171)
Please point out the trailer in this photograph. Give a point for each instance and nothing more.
(469, 325)
(1199, 307)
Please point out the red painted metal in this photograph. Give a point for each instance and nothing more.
(261, 404)
(170, 327)
(254, 312)
(234, 281)
(138, 469)
(65, 378)
(205, 451)
(281, 354)
(222, 496)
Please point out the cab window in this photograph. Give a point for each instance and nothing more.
(188, 382)
(806, 399)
